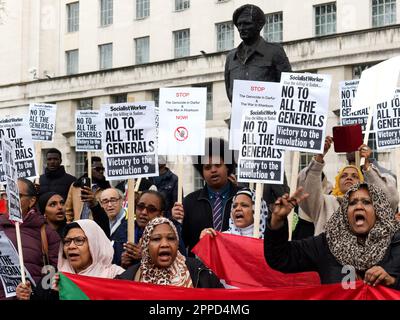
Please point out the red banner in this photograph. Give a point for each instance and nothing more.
(240, 262)
(106, 289)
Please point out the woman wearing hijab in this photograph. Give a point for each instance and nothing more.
(362, 235)
(319, 206)
(85, 250)
(241, 221)
(163, 264)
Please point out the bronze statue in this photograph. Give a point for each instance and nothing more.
(255, 58)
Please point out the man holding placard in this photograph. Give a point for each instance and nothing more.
(208, 207)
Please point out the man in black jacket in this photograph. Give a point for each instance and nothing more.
(55, 178)
(210, 206)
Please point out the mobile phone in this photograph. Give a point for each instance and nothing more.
(85, 182)
(347, 138)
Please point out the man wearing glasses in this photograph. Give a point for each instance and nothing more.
(82, 198)
(111, 201)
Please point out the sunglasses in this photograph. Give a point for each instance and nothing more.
(150, 209)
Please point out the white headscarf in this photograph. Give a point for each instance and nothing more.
(100, 249)
(249, 230)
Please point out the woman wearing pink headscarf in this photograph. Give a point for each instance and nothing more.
(85, 250)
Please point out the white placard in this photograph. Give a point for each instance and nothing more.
(249, 95)
(182, 121)
(88, 134)
(10, 173)
(10, 271)
(387, 123)
(303, 112)
(259, 161)
(377, 84)
(129, 140)
(347, 92)
(17, 129)
(42, 121)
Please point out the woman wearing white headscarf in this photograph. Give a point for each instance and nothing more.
(241, 221)
(85, 250)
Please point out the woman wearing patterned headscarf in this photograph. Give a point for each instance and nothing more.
(163, 264)
(319, 206)
(241, 221)
(361, 235)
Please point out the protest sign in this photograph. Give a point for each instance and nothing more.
(347, 92)
(249, 95)
(17, 129)
(10, 271)
(88, 135)
(259, 161)
(387, 123)
(377, 84)
(303, 112)
(10, 173)
(129, 140)
(42, 121)
(182, 121)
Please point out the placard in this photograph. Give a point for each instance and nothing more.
(42, 121)
(88, 135)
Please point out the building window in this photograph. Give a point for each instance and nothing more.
(105, 52)
(273, 29)
(73, 17)
(224, 36)
(198, 180)
(142, 50)
(85, 104)
(72, 57)
(142, 9)
(305, 159)
(325, 19)
(359, 68)
(106, 12)
(209, 110)
(182, 43)
(383, 12)
(80, 158)
(182, 5)
(119, 98)
(156, 97)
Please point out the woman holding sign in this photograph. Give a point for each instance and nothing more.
(319, 206)
(360, 241)
(85, 250)
(241, 221)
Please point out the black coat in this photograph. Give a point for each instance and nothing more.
(201, 276)
(199, 215)
(57, 181)
(313, 254)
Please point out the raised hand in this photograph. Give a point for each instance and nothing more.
(327, 146)
(284, 205)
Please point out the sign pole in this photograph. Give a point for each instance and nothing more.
(371, 111)
(20, 254)
(180, 182)
(131, 210)
(293, 185)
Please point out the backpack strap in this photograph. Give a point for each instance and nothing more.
(45, 245)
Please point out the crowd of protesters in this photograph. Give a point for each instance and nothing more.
(353, 224)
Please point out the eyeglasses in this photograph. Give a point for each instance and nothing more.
(150, 209)
(99, 168)
(79, 241)
(111, 201)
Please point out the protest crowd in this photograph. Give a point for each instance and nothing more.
(128, 218)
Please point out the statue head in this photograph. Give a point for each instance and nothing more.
(249, 20)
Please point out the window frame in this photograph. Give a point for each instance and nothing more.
(277, 35)
(102, 59)
(142, 9)
(68, 60)
(375, 23)
(321, 28)
(106, 13)
(184, 51)
(180, 5)
(136, 42)
(72, 21)
(227, 43)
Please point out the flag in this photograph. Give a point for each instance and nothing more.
(76, 287)
(240, 262)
